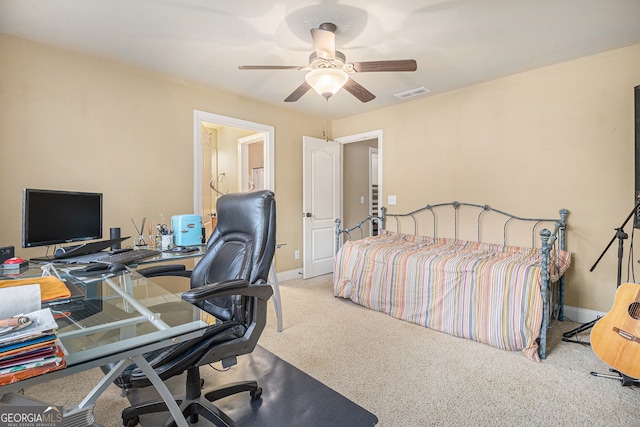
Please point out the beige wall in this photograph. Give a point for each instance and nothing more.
(530, 144)
(74, 122)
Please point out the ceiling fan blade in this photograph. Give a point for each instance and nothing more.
(272, 67)
(374, 66)
(357, 90)
(297, 94)
(324, 42)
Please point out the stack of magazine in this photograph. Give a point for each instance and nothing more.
(30, 348)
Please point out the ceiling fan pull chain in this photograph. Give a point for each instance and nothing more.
(325, 113)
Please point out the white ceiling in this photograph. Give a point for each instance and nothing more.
(456, 43)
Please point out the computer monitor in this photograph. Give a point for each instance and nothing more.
(51, 217)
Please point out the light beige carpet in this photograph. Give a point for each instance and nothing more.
(411, 376)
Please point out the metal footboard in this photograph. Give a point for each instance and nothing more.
(358, 227)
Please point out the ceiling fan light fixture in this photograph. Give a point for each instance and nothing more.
(326, 81)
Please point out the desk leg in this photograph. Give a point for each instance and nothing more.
(104, 383)
(81, 414)
(160, 386)
(277, 303)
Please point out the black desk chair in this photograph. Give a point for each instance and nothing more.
(229, 282)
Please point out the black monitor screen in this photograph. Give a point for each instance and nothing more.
(50, 217)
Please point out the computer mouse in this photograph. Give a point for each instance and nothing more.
(177, 249)
(95, 267)
(116, 268)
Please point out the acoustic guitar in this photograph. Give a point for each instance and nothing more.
(615, 338)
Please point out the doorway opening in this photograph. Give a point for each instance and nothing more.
(251, 162)
(219, 144)
(362, 177)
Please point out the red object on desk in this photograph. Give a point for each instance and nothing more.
(15, 264)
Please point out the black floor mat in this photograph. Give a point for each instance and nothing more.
(290, 397)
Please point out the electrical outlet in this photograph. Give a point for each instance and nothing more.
(392, 199)
(362, 200)
(296, 254)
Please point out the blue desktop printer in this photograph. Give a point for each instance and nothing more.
(187, 230)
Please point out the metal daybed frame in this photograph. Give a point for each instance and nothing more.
(552, 310)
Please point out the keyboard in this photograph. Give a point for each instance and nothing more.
(127, 257)
(82, 259)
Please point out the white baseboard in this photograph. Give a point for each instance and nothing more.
(581, 315)
(289, 275)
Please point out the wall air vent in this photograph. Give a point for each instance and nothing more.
(412, 93)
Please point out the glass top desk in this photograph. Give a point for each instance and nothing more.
(195, 251)
(168, 256)
(199, 251)
(117, 321)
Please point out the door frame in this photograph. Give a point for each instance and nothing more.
(269, 143)
(374, 134)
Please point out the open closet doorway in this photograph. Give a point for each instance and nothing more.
(374, 201)
(362, 178)
(219, 144)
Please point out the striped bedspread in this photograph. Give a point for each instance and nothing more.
(485, 292)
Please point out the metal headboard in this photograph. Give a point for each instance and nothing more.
(559, 222)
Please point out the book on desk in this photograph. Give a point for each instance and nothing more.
(30, 348)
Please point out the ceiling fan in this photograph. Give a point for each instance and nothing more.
(328, 69)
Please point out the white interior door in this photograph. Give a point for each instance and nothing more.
(322, 198)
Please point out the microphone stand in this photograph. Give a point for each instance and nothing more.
(621, 236)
